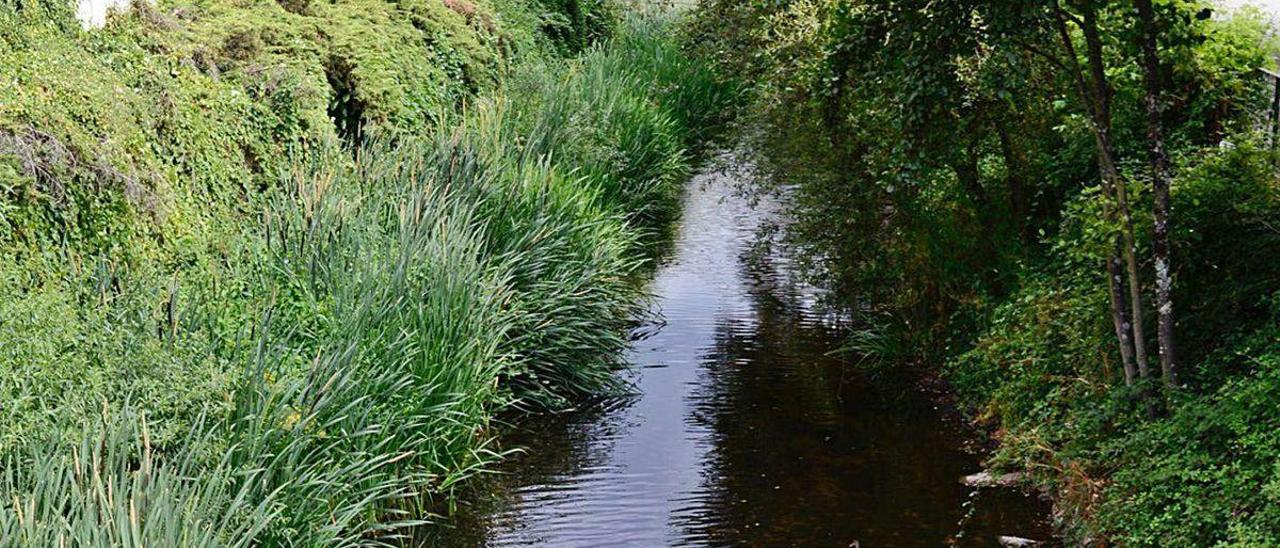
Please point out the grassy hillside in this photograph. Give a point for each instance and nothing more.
(136, 153)
(269, 268)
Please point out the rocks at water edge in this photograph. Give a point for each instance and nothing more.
(987, 479)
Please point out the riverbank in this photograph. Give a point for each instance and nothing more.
(952, 195)
(262, 287)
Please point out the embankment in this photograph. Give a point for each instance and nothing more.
(270, 268)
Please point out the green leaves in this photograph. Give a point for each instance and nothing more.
(942, 172)
(307, 354)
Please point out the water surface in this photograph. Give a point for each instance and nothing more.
(745, 430)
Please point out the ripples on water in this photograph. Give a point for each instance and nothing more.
(744, 431)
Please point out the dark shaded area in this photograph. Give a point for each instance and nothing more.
(807, 452)
(346, 109)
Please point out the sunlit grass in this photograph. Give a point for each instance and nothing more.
(375, 313)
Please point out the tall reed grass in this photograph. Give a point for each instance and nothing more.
(374, 315)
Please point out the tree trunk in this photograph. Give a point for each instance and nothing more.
(1097, 107)
(970, 178)
(1120, 313)
(1102, 132)
(1015, 168)
(1160, 178)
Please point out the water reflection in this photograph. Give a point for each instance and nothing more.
(745, 430)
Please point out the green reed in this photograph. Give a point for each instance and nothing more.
(373, 314)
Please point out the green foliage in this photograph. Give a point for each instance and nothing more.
(941, 170)
(307, 342)
(573, 25)
(1207, 475)
(1044, 371)
(179, 103)
(112, 476)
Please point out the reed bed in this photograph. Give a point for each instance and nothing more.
(340, 357)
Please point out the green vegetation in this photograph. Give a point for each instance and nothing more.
(269, 269)
(981, 181)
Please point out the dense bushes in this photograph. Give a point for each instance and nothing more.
(1207, 475)
(1044, 370)
(302, 342)
(944, 182)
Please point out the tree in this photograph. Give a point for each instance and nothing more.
(1160, 178)
(1096, 92)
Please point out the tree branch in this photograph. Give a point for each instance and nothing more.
(1035, 50)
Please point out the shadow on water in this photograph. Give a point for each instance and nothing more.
(745, 430)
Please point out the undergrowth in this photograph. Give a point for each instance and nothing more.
(221, 325)
(942, 170)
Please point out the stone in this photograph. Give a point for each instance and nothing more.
(987, 479)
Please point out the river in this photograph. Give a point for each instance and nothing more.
(744, 430)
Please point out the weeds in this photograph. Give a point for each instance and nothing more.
(339, 350)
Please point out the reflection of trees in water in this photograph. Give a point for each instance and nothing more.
(799, 453)
(766, 403)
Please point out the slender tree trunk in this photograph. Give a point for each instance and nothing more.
(1095, 102)
(1102, 126)
(1160, 178)
(1120, 313)
(1120, 212)
(1015, 168)
(970, 178)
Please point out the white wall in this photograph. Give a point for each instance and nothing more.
(1269, 6)
(93, 13)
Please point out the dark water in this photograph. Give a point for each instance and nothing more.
(744, 431)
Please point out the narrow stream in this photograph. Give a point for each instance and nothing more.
(744, 431)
